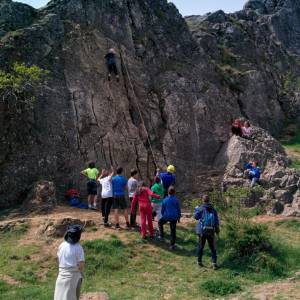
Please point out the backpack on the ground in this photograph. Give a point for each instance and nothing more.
(208, 222)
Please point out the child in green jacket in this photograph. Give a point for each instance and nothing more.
(158, 189)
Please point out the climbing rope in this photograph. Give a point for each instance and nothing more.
(137, 104)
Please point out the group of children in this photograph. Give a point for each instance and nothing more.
(159, 201)
(71, 256)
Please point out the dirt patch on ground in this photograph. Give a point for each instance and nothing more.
(283, 290)
(9, 280)
(272, 218)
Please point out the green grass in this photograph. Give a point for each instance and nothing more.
(289, 224)
(135, 269)
(292, 146)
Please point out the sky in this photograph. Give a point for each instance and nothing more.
(186, 7)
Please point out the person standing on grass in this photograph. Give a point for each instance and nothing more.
(168, 178)
(170, 212)
(158, 189)
(132, 186)
(119, 183)
(141, 197)
(71, 265)
(206, 229)
(105, 180)
(92, 174)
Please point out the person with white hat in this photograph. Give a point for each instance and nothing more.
(71, 265)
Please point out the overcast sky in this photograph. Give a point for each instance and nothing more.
(186, 7)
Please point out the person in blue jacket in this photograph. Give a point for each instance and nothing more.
(170, 212)
(206, 229)
(252, 172)
(167, 178)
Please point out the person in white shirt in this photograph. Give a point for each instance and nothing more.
(247, 131)
(106, 194)
(71, 265)
(132, 185)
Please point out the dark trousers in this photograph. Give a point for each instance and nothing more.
(106, 204)
(133, 213)
(161, 224)
(112, 68)
(212, 246)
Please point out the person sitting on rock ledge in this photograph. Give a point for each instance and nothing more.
(236, 128)
(247, 131)
(252, 172)
(111, 63)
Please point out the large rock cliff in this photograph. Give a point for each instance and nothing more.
(186, 78)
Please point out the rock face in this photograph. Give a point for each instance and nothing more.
(42, 197)
(280, 182)
(186, 78)
(14, 16)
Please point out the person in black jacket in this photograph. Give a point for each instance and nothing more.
(110, 58)
(206, 229)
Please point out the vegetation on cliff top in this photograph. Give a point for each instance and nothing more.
(18, 85)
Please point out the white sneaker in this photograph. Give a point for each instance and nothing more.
(90, 206)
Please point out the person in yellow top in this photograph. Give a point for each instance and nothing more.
(92, 174)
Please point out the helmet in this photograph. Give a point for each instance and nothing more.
(171, 169)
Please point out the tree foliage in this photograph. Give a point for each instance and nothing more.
(18, 86)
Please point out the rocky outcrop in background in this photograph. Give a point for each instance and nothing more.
(281, 184)
(190, 77)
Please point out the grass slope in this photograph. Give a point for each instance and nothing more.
(129, 268)
(291, 143)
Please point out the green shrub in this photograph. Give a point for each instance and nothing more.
(221, 287)
(245, 239)
(18, 84)
(4, 287)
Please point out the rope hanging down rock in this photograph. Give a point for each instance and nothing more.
(122, 55)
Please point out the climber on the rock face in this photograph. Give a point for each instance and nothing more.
(252, 172)
(111, 63)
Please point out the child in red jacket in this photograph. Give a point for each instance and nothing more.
(142, 197)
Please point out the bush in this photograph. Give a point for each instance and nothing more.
(18, 84)
(221, 287)
(245, 239)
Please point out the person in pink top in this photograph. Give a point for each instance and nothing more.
(141, 197)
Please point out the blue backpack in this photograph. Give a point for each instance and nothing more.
(208, 222)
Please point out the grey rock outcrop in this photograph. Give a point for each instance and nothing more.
(188, 77)
(280, 182)
(41, 198)
(14, 16)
